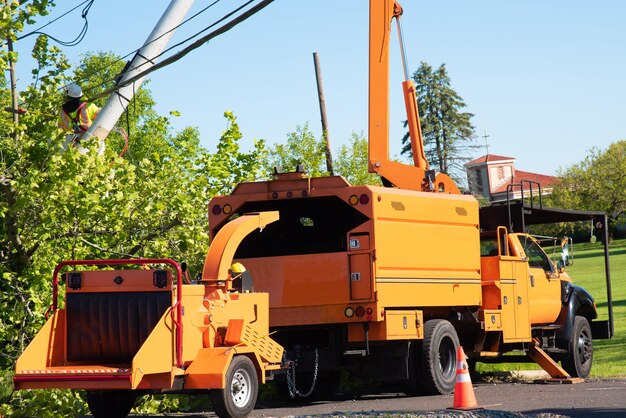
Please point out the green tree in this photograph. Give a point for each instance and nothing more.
(447, 130)
(301, 148)
(57, 205)
(352, 162)
(596, 183)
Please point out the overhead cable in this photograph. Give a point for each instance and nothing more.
(98, 70)
(53, 20)
(228, 15)
(197, 44)
(81, 35)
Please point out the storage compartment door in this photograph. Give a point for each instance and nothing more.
(360, 276)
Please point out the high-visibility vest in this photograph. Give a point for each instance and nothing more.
(80, 120)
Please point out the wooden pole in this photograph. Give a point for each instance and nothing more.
(320, 93)
(14, 100)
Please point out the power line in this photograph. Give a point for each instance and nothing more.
(52, 21)
(81, 34)
(198, 43)
(97, 71)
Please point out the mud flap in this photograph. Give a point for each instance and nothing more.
(208, 370)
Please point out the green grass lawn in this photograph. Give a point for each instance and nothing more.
(588, 272)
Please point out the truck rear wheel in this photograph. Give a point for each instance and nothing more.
(111, 403)
(239, 396)
(578, 363)
(437, 365)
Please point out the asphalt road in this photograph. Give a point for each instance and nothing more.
(593, 398)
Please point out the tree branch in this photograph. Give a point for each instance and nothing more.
(20, 260)
(174, 223)
(97, 247)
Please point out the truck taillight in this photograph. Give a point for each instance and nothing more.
(363, 199)
(360, 311)
(75, 281)
(216, 210)
(349, 312)
(159, 279)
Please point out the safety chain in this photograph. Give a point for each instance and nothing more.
(291, 378)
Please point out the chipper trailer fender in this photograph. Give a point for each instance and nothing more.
(125, 332)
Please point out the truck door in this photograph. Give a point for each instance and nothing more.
(544, 287)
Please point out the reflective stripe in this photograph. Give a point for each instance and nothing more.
(460, 365)
(84, 116)
(80, 120)
(65, 122)
(463, 378)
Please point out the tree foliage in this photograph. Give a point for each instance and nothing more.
(596, 183)
(352, 162)
(300, 148)
(447, 130)
(57, 205)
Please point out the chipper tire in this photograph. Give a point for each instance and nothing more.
(578, 363)
(239, 396)
(435, 365)
(111, 403)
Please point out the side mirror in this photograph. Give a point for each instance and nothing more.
(567, 255)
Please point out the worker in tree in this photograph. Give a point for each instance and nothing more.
(76, 116)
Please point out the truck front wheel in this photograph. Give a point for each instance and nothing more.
(239, 396)
(111, 403)
(578, 362)
(437, 371)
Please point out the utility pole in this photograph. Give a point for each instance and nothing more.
(320, 93)
(14, 101)
(143, 59)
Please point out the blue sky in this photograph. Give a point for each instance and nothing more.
(545, 79)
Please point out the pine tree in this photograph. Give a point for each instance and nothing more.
(447, 130)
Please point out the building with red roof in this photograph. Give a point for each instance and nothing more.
(492, 176)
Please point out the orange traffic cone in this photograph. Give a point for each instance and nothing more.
(463, 391)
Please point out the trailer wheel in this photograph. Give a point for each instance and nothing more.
(437, 365)
(111, 403)
(578, 363)
(239, 396)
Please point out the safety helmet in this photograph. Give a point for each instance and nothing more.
(74, 90)
(237, 268)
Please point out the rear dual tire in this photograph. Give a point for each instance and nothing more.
(432, 362)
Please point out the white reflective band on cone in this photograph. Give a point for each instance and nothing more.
(463, 378)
